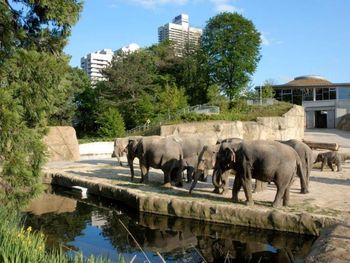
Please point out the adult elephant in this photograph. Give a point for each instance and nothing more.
(306, 156)
(207, 160)
(157, 152)
(120, 147)
(267, 161)
(192, 144)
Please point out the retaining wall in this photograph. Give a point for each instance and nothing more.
(289, 126)
(201, 209)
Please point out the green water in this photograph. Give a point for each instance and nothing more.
(95, 227)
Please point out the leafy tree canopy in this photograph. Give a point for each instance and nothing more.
(231, 45)
(34, 73)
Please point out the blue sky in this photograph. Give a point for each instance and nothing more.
(300, 37)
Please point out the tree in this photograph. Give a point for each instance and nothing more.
(32, 69)
(111, 123)
(171, 99)
(268, 90)
(231, 45)
(74, 83)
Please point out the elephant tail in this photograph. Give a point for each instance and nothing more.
(302, 175)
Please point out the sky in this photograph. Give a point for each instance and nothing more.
(299, 37)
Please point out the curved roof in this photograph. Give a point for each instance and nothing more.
(308, 80)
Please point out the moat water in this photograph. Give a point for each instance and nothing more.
(102, 227)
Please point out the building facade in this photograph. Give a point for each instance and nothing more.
(93, 63)
(180, 33)
(324, 102)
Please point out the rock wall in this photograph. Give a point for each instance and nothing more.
(62, 144)
(217, 212)
(289, 126)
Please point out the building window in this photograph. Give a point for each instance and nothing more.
(297, 96)
(278, 94)
(287, 95)
(325, 94)
(343, 93)
(308, 94)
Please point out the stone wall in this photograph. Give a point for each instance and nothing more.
(62, 144)
(289, 126)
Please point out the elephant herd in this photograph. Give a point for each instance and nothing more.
(263, 160)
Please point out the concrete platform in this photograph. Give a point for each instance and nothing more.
(325, 211)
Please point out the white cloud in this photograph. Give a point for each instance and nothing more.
(155, 3)
(225, 6)
(264, 40)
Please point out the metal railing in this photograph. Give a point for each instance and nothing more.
(200, 109)
(262, 102)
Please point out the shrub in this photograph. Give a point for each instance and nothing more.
(18, 244)
(111, 123)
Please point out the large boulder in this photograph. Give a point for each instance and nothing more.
(62, 144)
(344, 123)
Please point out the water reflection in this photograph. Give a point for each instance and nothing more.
(94, 228)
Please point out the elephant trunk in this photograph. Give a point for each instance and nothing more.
(197, 174)
(131, 166)
(217, 180)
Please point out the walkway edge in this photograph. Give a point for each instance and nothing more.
(273, 219)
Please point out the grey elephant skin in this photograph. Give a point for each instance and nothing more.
(306, 156)
(331, 158)
(192, 144)
(207, 160)
(267, 161)
(120, 147)
(157, 152)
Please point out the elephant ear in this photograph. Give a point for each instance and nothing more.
(230, 155)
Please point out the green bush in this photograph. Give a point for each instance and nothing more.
(111, 124)
(19, 244)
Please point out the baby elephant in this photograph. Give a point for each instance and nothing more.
(332, 158)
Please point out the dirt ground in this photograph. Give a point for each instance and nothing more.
(329, 191)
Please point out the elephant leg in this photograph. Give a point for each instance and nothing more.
(247, 182)
(190, 174)
(286, 195)
(259, 186)
(330, 165)
(131, 165)
(237, 184)
(225, 181)
(144, 173)
(281, 189)
(204, 175)
(323, 164)
(338, 166)
(247, 187)
(178, 167)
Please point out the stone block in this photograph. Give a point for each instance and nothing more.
(62, 144)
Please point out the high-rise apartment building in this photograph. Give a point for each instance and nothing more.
(93, 63)
(180, 33)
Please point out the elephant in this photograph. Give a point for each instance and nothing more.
(120, 147)
(157, 152)
(306, 156)
(332, 158)
(207, 160)
(268, 161)
(191, 145)
(190, 164)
